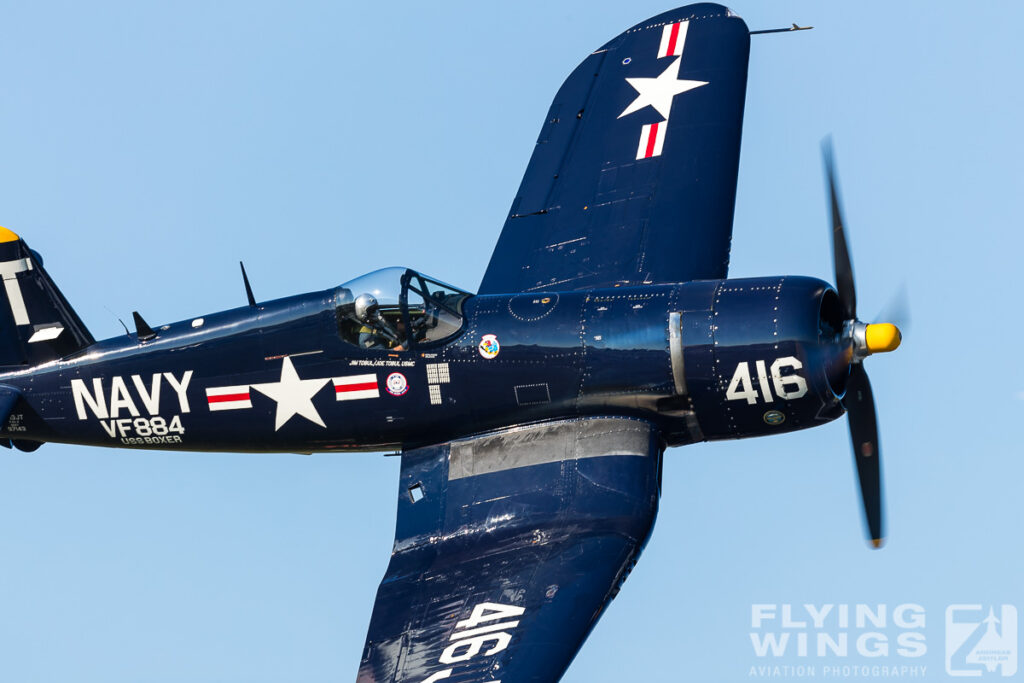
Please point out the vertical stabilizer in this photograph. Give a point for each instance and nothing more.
(36, 322)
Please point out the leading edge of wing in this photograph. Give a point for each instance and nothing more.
(507, 548)
(633, 177)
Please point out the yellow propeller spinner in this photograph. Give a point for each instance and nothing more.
(882, 337)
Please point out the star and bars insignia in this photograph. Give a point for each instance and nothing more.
(660, 92)
(294, 396)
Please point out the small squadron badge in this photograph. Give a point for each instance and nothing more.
(489, 346)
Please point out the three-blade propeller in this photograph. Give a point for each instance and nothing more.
(862, 340)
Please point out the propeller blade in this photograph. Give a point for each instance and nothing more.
(897, 310)
(840, 250)
(860, 407)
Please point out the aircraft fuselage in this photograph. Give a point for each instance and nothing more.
(702, 360)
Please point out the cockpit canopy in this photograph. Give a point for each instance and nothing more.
(394, 309)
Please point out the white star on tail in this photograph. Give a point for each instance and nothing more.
(294, 396)
(658, 92)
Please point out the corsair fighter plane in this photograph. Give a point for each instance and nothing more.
(532, 416)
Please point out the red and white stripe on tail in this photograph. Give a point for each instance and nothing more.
(228, 398)
(652, 139)
(672, 38)
(356, 386)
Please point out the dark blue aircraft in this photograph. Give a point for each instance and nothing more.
(531, 416)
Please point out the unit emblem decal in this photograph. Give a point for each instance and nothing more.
(489, 346)
(396, 384)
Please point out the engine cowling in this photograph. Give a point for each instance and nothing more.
(763, 355)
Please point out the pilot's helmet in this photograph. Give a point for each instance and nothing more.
(366, 306)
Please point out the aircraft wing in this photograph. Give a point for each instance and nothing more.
(507, 548)
(633, 178)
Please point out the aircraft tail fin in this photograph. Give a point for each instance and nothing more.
(36, 322)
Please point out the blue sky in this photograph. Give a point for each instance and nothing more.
(149, 147)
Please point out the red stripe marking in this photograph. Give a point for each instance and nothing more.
(223, 398)
(672, 41)
(364, 386)
(652, 137)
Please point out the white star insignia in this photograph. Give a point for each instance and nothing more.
(658, 92)
(294, 396)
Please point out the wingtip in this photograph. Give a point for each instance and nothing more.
(877, 542)
(8, 235)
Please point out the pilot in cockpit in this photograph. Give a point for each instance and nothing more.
(392, 309)
(377, 332)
